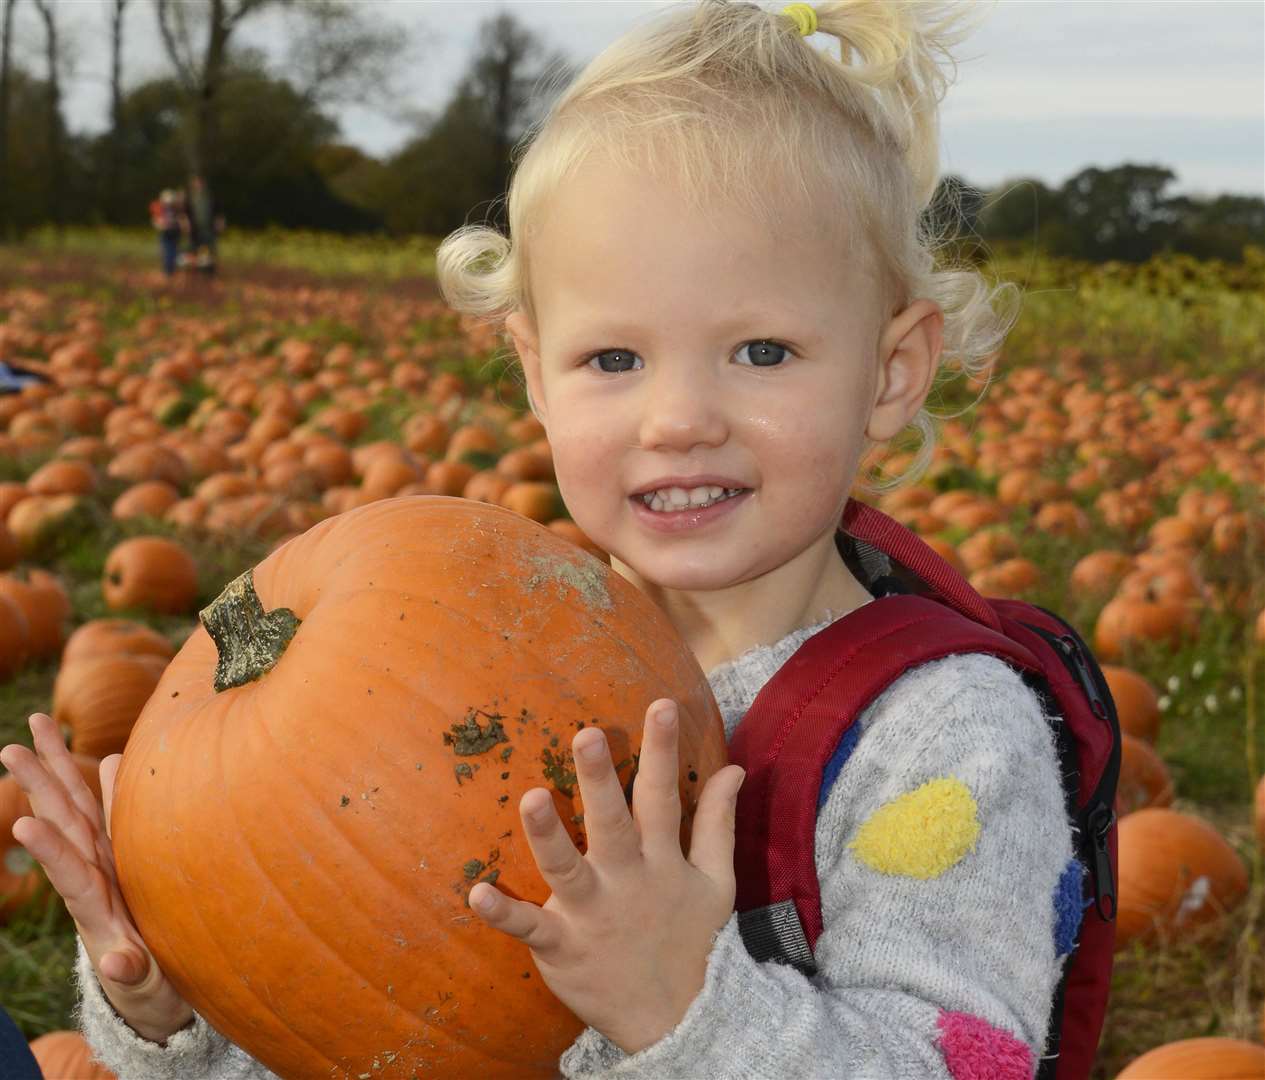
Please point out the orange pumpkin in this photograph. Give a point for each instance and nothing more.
(149, 498)
(1010, 577)
(1175, 872)
(64, 477)
(44, 602)
(1099, 573)
(1137, 703)
(98, 698)
(102, 636)
(1144, 779)
(487, 486)
(987, 548)
(9, 553)
(66, 1055)
(1199, 1059)
(37, 520)
(15, 637)
(150, 572)
(1126, 621)
(524, 464)
(539, 500)
(385, 699)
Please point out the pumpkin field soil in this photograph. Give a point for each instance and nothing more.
(1111, 471)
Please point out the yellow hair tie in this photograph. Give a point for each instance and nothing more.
(804, 17)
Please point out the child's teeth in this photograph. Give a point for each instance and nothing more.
(671, 499)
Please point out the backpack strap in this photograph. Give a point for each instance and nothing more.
(875, 529)
(791, 733)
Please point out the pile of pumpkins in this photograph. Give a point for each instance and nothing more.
(244, 460)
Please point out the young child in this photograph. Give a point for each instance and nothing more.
(722, 301)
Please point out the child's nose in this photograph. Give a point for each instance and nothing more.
(682, 407)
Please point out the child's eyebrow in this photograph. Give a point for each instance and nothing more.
(620, 326)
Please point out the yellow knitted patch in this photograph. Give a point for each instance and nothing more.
(922, 833)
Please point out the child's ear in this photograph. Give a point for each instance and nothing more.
(526, 345)
(909, 354)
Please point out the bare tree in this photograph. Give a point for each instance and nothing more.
(334, 53)
(513, 78)
(53, 126)
(114, 153)
(6, 51)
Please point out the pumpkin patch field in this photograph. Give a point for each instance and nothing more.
(1112, 469)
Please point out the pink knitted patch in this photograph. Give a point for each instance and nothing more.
(975, 1050)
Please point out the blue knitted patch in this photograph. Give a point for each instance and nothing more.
(1068, 907)
(842, 752)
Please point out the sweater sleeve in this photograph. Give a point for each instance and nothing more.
(944, 855)
(197, 1050)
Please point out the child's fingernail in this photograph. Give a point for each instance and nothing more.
(665, 715)
(594, 747)
(485, 901)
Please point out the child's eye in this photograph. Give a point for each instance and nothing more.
(765, 353)
(609, 352)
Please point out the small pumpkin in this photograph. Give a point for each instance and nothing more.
(1126, 621)
(1212, 1058)
(66, 1055)
(539, 500)
(15, 637)
(1144, 778)
(149, 498)
(150, 573)
(98, 698)
(1137, 703)
(101, 636)
(63, 477)
(1175, 872)
(1099, 573)
(46, 605)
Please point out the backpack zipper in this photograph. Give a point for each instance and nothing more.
(1099, 815)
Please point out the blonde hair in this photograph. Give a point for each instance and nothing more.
(711, 96)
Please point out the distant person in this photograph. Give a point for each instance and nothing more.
(205, 224)
(164, 213)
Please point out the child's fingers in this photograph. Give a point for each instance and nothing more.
(48, 798)
(78, 882)
(108, 771)
(656, 791)
(567, 873)
(537, 928)
(127, 967)
(51, 747)
(612, 833)
(712, 833)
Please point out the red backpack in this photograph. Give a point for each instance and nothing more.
(795, 729)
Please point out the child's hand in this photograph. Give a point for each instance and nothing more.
(624, 939)
(69, 836)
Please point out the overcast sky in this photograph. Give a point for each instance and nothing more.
(1045, 87)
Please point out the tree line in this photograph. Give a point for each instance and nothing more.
(261, 133)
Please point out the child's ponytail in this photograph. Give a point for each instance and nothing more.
(890, 48)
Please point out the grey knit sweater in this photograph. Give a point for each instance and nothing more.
(942, 850)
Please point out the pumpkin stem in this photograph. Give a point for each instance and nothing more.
(249, 640)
